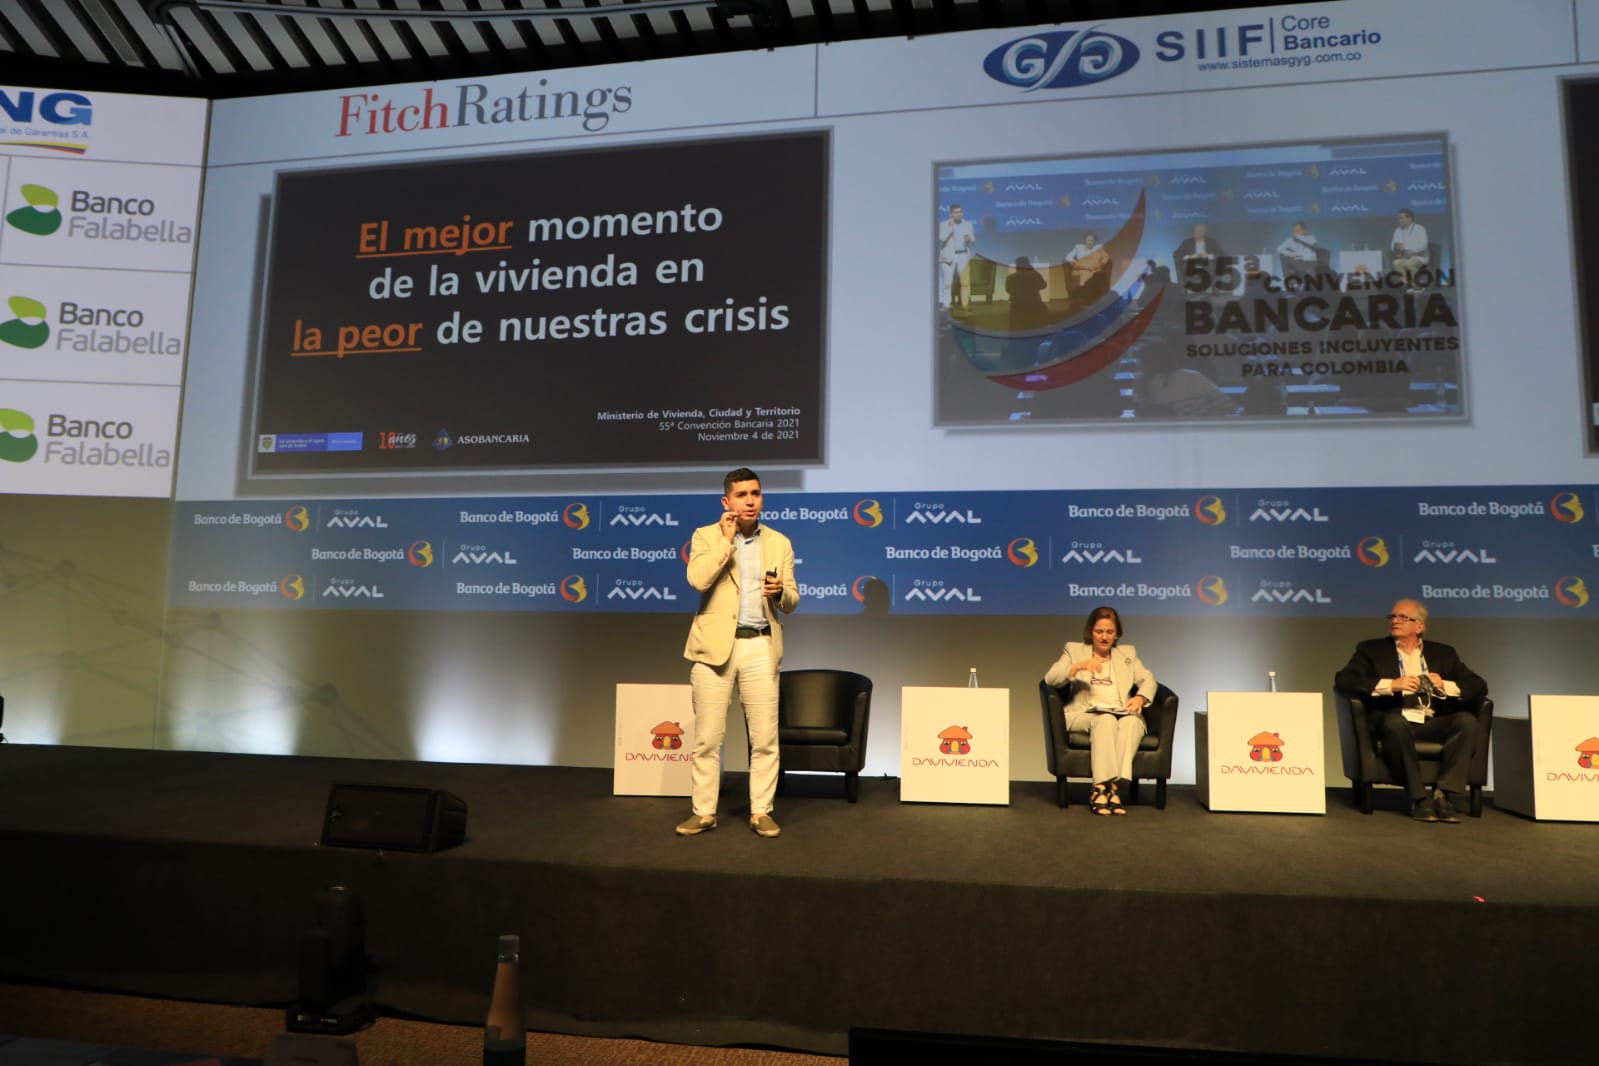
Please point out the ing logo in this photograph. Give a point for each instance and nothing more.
(420, 553)
(29, 328)
(1372, 551)
(297, 518)
(1266, 747)
(18, 443)
(573, 588)
(1588, 754)
(1210, 511)
(1566, 507)
(956, 740)
(42, 214)
(292, 587)
(1022, 551)
(868, 513)
(1211, 590)
(575, 515)
(668, 736)
(1572, 592)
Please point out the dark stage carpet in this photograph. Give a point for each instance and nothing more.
(191, 875)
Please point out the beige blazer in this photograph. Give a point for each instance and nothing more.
(713, 571)
(1132, 676)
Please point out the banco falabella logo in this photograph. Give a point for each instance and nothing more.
(1572, 592)
(292, 587)
(1210, 511)
(1372, 551)
(956, 740)
(668, 736)
(420, 553)
(573, 589)
(18, 443)
(297, 518)
(575, 515)
(41, 214)
(1566, 507)
(1022, 552)
(29, 328)
(1211, 590)
(1061, 59)
(868, 513)
(1266, 747)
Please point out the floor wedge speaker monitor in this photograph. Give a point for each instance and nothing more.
(393, 817)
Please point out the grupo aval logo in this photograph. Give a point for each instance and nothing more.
(18, 443)
(1572, 591)
(574, 589)
(1566, 507)
(868, 513)
(1210, 511)
(1372, 551)
(1022, 551)
(1061, 59)
(575, 515)
(40, 214)
(28, 328)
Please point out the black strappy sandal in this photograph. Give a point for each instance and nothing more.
(1099, 800)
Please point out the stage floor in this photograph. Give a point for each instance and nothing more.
(191, 875)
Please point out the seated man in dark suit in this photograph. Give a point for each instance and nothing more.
(1417, 692)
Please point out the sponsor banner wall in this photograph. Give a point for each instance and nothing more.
(1505, 551)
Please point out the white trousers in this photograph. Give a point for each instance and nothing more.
(752, 669)
(1112, 742)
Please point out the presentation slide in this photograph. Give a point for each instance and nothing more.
(99, 194)
(1314, 279)
(548, 310)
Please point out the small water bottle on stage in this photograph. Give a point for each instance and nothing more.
(1271, 677)
(971, 678)
(505, 1030)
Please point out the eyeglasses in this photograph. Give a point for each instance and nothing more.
(1401, 618)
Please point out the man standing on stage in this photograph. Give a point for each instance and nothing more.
(744, 572)
(955, 239)
(1417, 693)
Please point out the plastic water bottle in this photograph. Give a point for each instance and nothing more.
(505, 1030)
(1271, 677)
(971, 678)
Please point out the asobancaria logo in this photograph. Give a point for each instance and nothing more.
(18, 443)
(29, 328)
(41, 215)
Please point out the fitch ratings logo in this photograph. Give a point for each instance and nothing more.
(574, 589)
(1266, 747)
(868, 513)
(29, 326)
(1210, 511)
(668, 736)
(1572, 591)
(1061, 59)
(955, 740)
(40, 214)
(575, 515)
(1566, 507)
(1372, 551)
(18, 443)
(1022, 552)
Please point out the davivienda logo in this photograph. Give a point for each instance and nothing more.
(41, 213)
(28, 328)
(1061, 59)
(17, 441)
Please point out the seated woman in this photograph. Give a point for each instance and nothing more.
(1107, 689)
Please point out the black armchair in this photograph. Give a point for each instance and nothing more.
(1363, 761)
(822, 719)
(1067, 753)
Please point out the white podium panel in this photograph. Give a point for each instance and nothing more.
(654, 740)
(1261, 751)
(954, 745)
(1546, 765)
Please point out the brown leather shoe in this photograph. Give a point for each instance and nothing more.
(1443, 809)
(1423, 810)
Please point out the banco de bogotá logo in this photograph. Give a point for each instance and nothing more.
(297, 518)
(575, 515)
(28, 328)
(41, 216)
(1266, 747)
(573, 589)
(420, 553)
(668, 736)
(292, 587)
(956, 740)
(17, 442)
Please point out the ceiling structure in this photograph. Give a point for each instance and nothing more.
(221, 48)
